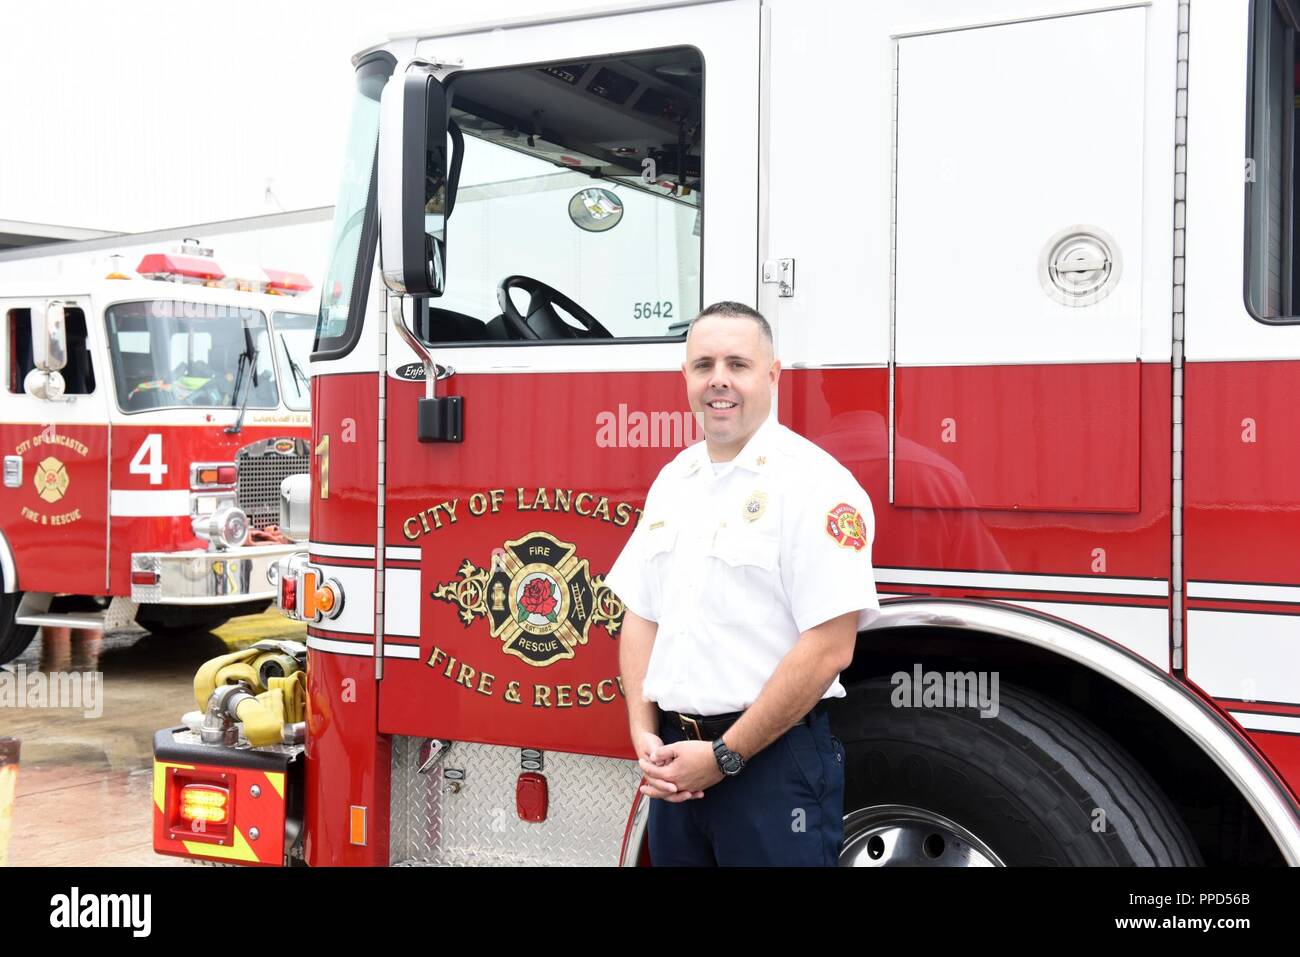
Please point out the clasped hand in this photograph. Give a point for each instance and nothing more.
(676, 772)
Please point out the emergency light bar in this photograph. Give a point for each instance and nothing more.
(195, 265)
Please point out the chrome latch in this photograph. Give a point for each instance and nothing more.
(531, 759)
(780, 272)
(431, 752)
(13, 471)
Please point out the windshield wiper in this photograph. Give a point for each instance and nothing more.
(249, 355)
(297, 371)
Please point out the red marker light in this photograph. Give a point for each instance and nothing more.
(288, 593)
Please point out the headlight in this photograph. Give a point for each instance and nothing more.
(228, 527)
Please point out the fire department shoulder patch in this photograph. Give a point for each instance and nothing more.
(844, 524)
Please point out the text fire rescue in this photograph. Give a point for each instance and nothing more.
(546, 500)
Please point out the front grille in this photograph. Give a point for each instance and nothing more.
(261, 470)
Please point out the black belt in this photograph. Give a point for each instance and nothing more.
(700, 727)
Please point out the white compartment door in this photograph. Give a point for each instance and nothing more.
(1008, 136)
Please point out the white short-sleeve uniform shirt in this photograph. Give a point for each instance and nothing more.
(734, 561)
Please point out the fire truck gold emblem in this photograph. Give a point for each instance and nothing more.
(539, 598)
(51, 479)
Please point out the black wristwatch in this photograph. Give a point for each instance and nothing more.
(729, 762)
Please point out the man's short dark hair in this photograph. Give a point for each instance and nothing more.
(736, 310)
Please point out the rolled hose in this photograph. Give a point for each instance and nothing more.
(266, 707)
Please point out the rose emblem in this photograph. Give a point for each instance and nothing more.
(538, 597)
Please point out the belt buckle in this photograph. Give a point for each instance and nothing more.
(694, 729)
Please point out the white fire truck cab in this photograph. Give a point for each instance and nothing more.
(149, 418)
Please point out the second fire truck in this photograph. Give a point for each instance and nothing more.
(149, 418)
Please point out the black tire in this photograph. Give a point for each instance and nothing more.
(1038, 784)
(172, 621)
(14, 638)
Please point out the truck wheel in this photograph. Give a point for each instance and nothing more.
(14, 638)
(1037, 784)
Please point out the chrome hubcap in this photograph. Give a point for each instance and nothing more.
(896, 835)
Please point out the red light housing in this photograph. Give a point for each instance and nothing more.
(170, 265)
(144, 577)
(291, 282)
(531, 797)
(201, 807)
(212, 474)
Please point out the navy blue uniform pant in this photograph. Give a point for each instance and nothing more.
(785, 808)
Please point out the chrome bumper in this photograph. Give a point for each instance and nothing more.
(208, 578)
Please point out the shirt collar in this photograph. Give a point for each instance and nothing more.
(754, 457)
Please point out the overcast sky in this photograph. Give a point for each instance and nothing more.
(144, 114)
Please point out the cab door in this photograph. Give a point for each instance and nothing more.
(1022, 273)
(53, 503)
(608, 186)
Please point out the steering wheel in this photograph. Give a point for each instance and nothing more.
(542, 321)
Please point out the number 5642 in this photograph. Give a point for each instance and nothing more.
(653, 310)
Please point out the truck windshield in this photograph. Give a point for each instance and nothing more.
(348, 253)
(167, 354)
(294, 335)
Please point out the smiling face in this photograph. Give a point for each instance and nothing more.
(730, 376)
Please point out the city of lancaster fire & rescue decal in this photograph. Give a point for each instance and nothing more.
(539, 598)
(50, 476)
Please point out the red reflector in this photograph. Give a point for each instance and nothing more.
(288, 592)
(226, 475)
(531, 797)
(192, 267)
(145, 578)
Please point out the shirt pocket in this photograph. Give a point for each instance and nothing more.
(743, 574)
(660, 544)
(746, 547)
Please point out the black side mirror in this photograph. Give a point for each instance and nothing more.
(415, 184)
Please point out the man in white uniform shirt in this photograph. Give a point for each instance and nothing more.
(745, 584)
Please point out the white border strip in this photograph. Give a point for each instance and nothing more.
(1233, 590)
(359, 649)
(401, 553)
(341, 551)
(402, 651)
(161, 503)
(1267, 722)
(1146, 587)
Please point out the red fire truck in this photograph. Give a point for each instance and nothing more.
(1023, 286)
(149, 420)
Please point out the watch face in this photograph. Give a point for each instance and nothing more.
(728, 761)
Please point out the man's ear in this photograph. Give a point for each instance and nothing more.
(775, 373)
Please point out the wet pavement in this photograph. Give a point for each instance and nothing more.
(85, 773)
